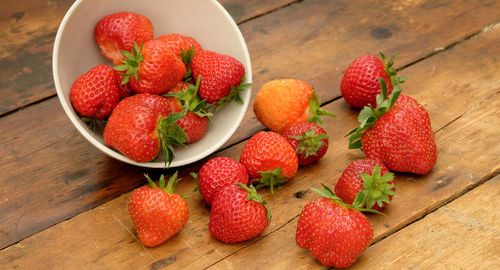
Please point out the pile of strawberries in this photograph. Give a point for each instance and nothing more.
(161, 87)
(161, 91)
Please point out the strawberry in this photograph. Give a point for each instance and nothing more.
(217, 173)
(157, 212)
(360, 84)
(334, 232)
(96, 93)
(119, 31)
(280, 104)
(221, 77)
(141, 125)
(238, 214)
(309, 140)
(179, 43)
(398, 133)
(269, 159)
(366, 183)
(196, 121)
(151, 68)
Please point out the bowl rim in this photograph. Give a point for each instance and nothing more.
(115, 154)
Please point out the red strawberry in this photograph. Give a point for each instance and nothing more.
(151, 68)
(398, 133)
(360, 84)
(280, 104)
(96, 93)
(309, 141)
(142, 125)
(119, 31)
(238, 214)
(335, 233)
(178, 43)
(195, 122)
(269, 159)
(217, 173)
(366, 183)
(221, 76)
(157, 213)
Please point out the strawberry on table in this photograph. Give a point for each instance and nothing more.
(269, 159)
(217, 173)
(360, 84)
(309, 140)
(366, 183)
(141, 125)
(238, 214)
(398, 133)
(222, 77)
(280, 104)
(335, 233)
(118, 31)
(151, 68)
(157, 212)
(96, 93)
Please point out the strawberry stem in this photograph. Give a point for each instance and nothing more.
(316, 111)
(234, 93)
(309, 142)
(271, 179)
(130, 63)
(377, 189)
(171, 135)
(255, 196)
(369, 115)
(328, 193)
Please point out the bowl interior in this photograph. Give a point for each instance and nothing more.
(76, 52)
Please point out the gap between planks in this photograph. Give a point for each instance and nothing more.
(389, 233)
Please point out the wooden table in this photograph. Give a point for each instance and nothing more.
(62, 201)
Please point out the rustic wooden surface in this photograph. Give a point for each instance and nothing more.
(63, 201)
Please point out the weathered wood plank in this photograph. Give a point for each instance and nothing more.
(315, 41)
(194, 247)
(28, 29)
(416, 196)
(461, 234)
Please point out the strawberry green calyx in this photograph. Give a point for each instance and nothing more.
(316, 111)
(234, 93)
(271, 179)
(171, 135)
(309, 142)
(369, 115)
(187, 57)
(191, 101)
(328, 193)
(172, 183)
(255, 196)
(130, 63)
(196, 179)
(377, 189)
(93, 122)
(390, 70)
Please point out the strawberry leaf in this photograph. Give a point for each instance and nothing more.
(316, 111)
(255, 196)
(171, 135)
(234, 94)
(130, 63)
(376, 189)
(271, 179)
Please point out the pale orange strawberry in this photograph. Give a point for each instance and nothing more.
(281, 104)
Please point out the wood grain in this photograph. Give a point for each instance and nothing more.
(52, 174)
(110, 234)
(461, 234)
(27, 35)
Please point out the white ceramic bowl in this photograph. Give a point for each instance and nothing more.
(76, 52)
